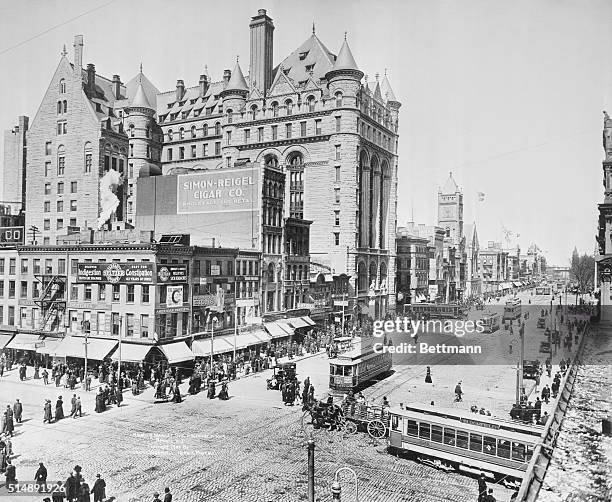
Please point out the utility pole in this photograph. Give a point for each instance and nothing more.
(33, 231)
(311, 470)
(119, 364)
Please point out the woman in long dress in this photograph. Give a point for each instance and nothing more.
(428, 375)
(59, 409)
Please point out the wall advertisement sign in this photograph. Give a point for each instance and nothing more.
(174, 296)
(116, 273)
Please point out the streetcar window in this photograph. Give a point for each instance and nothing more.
(413, 428)
(462, 439)
(503, 448)
(529, 452)
(475, 442)
(518, 451)
(424, 431)
(332, 369)
(395, 423)
(490, 445)
(348, 371)
(436, 433)
(449, 436)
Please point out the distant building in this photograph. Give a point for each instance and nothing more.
(438, 272)
(13, 170)
(493, 261)
(473, 282)
(412, 275)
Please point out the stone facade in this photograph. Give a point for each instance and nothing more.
(13, 172)
(604, 234)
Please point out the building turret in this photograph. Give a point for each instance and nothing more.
(345, 77)
(235, 93)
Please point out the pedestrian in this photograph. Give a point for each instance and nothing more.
(482, 487)
(9, 426)
(73, 405)
(71, 487)
(84, 493)
(156, 497)
(88, 382)
(45, 375)
(59, 409)
(167, 495)
(41, 477)
(17, 410)
(79, 409)
(11, 474)
(428, 375)
(99, 489)
(385, 402)
(118, 396)
(47, 418)
(489, 497)
(458, 392)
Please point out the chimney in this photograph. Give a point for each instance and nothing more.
(91, 78)
(203, 85)
(213, 242)
(117, 86)
(180, 90)
(260, 65)
(227, 74)
(78, 52)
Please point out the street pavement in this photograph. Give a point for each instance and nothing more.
(250, 448)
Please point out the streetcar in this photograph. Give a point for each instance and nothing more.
(512, 309)
(355, 368)
(543, 290)
(463, 440)
(435, 310)
(491, 322)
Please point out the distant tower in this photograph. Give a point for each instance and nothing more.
(144, 136)
(260, 68)
(450, 210)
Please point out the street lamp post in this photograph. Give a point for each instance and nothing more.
(84, 382)
(336, 485)
(119, 349)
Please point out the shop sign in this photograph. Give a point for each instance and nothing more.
(171, 273)
(172, 310)
(309, 306)
(245, 302)
(204, 300)
(174, 296)
(215, 270)
(115, 273)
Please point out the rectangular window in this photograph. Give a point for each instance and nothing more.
(48, 266)
(193, 152)
(130, 293)
(116, 292)
(61, 266)
(73, 187)
(204, 150)
(436, 433)
(24, 265)
(88, 162)
(47, 169)
(48, 148)
(60, 188)
(129, 322)
(144, 326)
(336, 218)
(47, 207)
(337, 152)
(61, 165)
(518, 452)
(101, 292)
(462, 439)
(144, 293)
(217, 148)
(181, 152)
(337, 194)
(337, 173)
(114, 164)
(228, 137)
(338, 124)
(60, 223)
(24, 290)
(336, 238)
(88, 288)
(60, 206)
(288, 130)
(47, 225)
(35, 266)
(115, 323)
(1, 266)
(169, 153)
(74, 266)
(106, 163)
(260, 134)
(274, 133)
(11, 316)
(303, 129)
(47, 188)
(412, 428)
(449, 436)
(424, 431)
(11, 292)
(476, 442)
(73, 205)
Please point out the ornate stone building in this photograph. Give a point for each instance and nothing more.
(604, 234)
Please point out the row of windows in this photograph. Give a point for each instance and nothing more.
(59, 224)
(59, 205)
(130, 329)
(11, 315)
(475, 442)
(60, 188)
(193, 131)
(193, 151)
(376, 136)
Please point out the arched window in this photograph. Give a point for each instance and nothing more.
(193, 131)
(59, 107)
(362, 277)
(65, 106)
(289, 107)
(296, 159)
(61, 160)
(205, 130)
(338, 99)
(170, 134)
(217, 129)
(230, 116)
(62, 86)
(254, 112)
(275, 109)
(311, 103)
(131, 128)
(372, 277)
(271, 161)
(271, 272)
(181, 133)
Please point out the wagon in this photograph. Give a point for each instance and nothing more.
(375, 419)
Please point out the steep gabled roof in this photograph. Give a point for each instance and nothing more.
(450, 187)
(386, 90)
(312, 54)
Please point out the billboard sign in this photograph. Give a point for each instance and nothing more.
(9, 236)
(433, 291)
(116, 273)
(174, 296)
(171, 273)
(215, 270)
(218, 191)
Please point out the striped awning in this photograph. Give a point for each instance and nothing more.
(201, 348)
(309, 321)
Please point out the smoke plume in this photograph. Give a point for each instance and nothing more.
(108, 200)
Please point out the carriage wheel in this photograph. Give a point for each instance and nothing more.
(350, 427)
(377, 429)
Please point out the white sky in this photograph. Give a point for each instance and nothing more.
(507, 95)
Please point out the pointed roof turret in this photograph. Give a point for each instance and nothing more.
(237, 81)
(450, 187)
(386, 90)
(345, 62)
(377, 94)
(140, 98)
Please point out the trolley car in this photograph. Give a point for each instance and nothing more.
(543, 290)
(354, 369)
(512, 310)
(463, 440)
(490, 322)
(435, 310)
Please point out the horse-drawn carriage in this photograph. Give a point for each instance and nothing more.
(283, 372)
(350, 417)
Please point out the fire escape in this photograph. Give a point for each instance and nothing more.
(51, 301)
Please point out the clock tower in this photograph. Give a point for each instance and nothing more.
(450, 211)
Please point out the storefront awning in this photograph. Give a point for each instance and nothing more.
(4, 339)
(177, 352)
(297, 322)
(262, 335)
(505, 285)
(50, 346)
(242, 341)
(201, 348)
(309, 321)
(74, 346)
(132, 352)
(24, 341)
(278, 329)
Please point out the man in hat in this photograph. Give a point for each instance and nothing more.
(99, 489)
(41, 477)
(17, 410)
(156, 497)
(73, 405)
(167, 495)
(47, 418)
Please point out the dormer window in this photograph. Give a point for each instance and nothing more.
(170, 105)
(286, 71)
(311, 103)
(62, 86)
(192, 102)
(303, 55)
(309, 68)
(98, 107)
